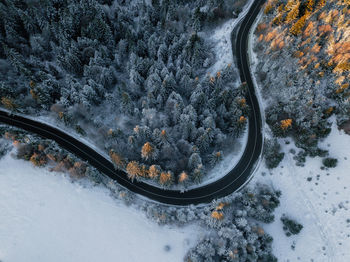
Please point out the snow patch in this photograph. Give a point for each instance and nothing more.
(220, 38)
(46, 217)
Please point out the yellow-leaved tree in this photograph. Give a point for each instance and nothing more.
(133, 170)
(297, 28)
(286, 123)
(148, 151)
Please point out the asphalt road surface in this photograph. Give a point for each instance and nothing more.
(226, 185)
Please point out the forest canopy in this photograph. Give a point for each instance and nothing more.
(130, 75)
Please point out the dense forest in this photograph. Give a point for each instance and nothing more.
(303, 49)
(132, 76)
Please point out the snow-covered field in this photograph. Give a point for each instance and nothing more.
(45, 217)
(321, 205)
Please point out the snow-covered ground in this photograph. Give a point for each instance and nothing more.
(321, 205)
(220, 38)
(46, 217)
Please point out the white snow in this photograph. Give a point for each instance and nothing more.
(46, 217)
(220, 38)
(321, 205)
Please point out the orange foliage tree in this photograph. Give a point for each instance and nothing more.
(293, 13)
(285, 124)
(296, 29)
(165, 178)
(117, 159)
(133, 169)
(8, 103)
(183, 177)
(148, 151)
(242, 119)
(153, 171)
(217, 215)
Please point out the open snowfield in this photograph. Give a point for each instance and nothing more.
(45, 217)
(321, 205)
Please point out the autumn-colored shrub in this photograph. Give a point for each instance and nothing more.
(78, 170)
(220, 206)
(38, 160)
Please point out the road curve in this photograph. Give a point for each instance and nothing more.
(204, 194)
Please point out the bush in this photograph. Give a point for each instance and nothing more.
(4, 147)
(300, 158)
(330, 162)
(272, 153)
(290, 226)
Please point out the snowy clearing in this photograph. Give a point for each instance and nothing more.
(220, 39)
(321, 204)
(46, 217)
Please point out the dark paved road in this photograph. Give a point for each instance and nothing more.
(204, 194)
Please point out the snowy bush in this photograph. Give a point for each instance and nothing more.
(234, 223)
(290, 226)
(330, 162)
(272, 153)
(236, 235)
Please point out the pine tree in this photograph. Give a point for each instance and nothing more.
(196, 20)
(194, 161)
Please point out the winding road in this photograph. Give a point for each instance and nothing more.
(231, 182)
